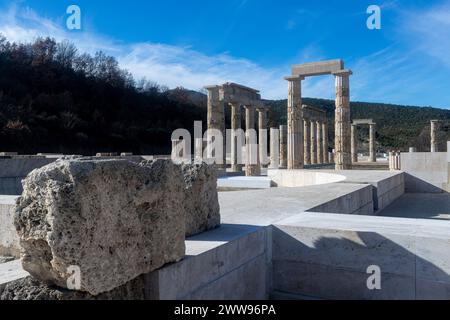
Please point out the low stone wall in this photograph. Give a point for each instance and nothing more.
(359, 202)
(227, 263)
(325, 256)
(425, 172)
(14, 169)
(9, 240)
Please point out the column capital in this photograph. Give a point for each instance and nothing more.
(234, 104)
(262, 109)
(342, 73)
(294, 78)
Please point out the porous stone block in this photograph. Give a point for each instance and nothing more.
(114, 219)
(201, 202)
(32, 289)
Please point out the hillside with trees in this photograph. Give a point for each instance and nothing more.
(398, 127)
(54, 99)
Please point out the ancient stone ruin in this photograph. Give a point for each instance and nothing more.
(113, 219)
(372, 137)
(342, 117)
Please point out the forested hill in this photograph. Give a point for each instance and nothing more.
(54, 99)
(398, 126)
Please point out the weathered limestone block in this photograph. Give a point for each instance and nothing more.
(114, 219)
(32, 289)
(201, 201)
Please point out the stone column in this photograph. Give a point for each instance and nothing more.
(283, 146)
(372, 151)
(307, 140)
(319, 142)
(274, 148)
(391, 160)
(343, 124)
(252, 164)
(295, 124)
(235, 126)
(216, 118)
(262, 136)
(435, 126)
(325, 142)
(354, 142)
(313, 142)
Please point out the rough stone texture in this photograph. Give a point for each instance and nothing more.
(32, 289)
(201, 202)
(114, 219)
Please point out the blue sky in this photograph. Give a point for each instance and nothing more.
(253, 42)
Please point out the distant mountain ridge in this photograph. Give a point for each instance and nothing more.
(53, 99)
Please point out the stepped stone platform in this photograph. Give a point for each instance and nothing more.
(297, 242)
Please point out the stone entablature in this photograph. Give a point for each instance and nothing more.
(237, 96)
(342, 116)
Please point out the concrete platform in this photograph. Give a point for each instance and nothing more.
(309, 242)
(420, 206)
(326, 256)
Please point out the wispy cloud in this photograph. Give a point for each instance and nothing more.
(400, 73)
(166, 64)
(429, 30)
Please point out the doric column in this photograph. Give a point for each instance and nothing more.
(295, 124)
(252, 163)
(235, 144)
(372, 151)
(216, 118)
(325, 142)
(307, 141)
(313, 142)
(274, 148)
(354, 142)
(343, 124)
(262, 136)
(319, 142)
(435, 126)
(283, 146)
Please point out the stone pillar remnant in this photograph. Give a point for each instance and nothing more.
(354, 143)
(343, 125)
(283, 146)
(372, 150)
(313, 142)
(295, 124)
(307, 141)
(235, 126)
